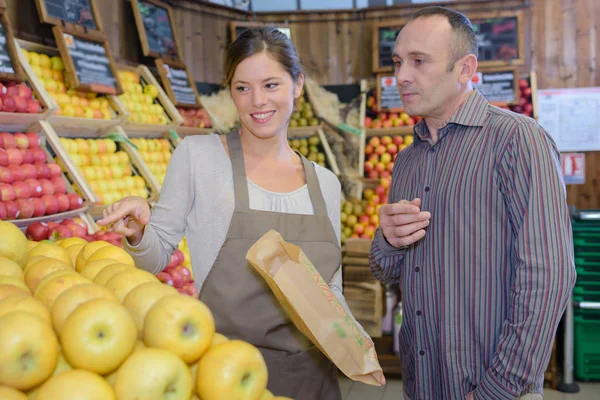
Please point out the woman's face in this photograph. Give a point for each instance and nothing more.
(263, 93)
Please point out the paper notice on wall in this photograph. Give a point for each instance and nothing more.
(573, 167)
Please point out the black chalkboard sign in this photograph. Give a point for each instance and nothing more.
(388, 97)
(88, 63)
(498, 86)
(499, 38)
(10, 69)
(384, 39)
(237, 27)
(155, 25)
(178, 84)
(72, 14)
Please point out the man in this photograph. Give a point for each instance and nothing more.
(476, 232)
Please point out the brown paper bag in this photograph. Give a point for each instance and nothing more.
(314, 309)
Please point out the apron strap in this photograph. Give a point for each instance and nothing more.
(314, 189)
(240, 181)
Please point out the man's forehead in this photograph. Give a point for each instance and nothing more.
(432, 32)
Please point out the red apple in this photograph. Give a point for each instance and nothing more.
(359, 229)
(373, 174)
(368, 166)
(7, 192)
(17, 173)
(390, 166)
(21, 140)
(388, 123)
(380, 190)
(3, 89)
(368, 122)
(179, 255)
(39, 207)
(385, 174)
(375, 141)
(42, 171)
(75, 202)
(523, 84)
(9, 104)
(527, 92)
(374, 158)
(190, 289)
(22, 190)
(59, 184)
(33, 107)
(177, 278)
(379, 167)
(60, 232)
(392, 148)
(84, 225)
(377, 124)
(187, 275)
(2, 212)
(39, 156)
(383, 116)
(25, 208)
(379, 150)
(375, 200)
(411, 121)
(54, 169)
(6, 175)
(27, 156)
(165, 278)
(37, 231)
(172, 263)
(7, 141)
(21, 103)
(398, 140)
(363, 219)
(12, 210)
(29, 171)
(34, 139)
(51, 202)
(63, 202)
(368, 149)
(77, 230)
(3, 158)
(14, 156)
(52, 224)
(47, 187)
(528, 109)
(11, 90)
(35, 186)
(24, 91)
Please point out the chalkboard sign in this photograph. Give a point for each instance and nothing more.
(499, 38)
(498, 86)
(384, 39)
(178, 84)
(237, 27)
(388, 97)
(155, 25)
(88, 63)
(71, 14)
(10, 69)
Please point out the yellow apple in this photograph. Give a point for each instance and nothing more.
(267, 395)
(113, 253)
(8, 393)
(36, 272)
(61, 366)
(98, 336)
(125, 281)
(27, 304)
(11, 280)
(234, 370)
(29, 350)
(76, 384)
(71, 241)
(50, 250)
(139, 301)
(50, 292)
(11, 268)
(51, 276)
(154, 374)
(218, 339)
(74, 251)
(87, 251)
(13, 244)
(73, 297)
(109, 271)
(90, 270)
(7, 291)
(31, 244)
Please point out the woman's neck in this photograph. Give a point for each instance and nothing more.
(274, 148)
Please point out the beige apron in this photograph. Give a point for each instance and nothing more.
(244, 306)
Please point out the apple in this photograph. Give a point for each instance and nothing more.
(61, 232)
(165, 278)
(47, 187)
(21, 104)
(14, 156)
(359, 229)
(29, 348)
(178, 279)
(22, 190)
(172, 262)
(373, 174)
(380, 149)
(523, 83)
(3, 158)
(368, 167)
(385, 158)
(51, 203)
(33, 107)
(35, 186)
(104, 347)
(21, 140)
(139, 301)
(392, 148)
(190, 289)
(7, 141)
(54, 169)
(7, 192)
(234, 370)
(375, 141)
(189, 331)
(39, 155)
(9, 104)
(25, 208)
(390, 166)
(3, 212)
(12, 210)
(39, 207)
(411, 121)
(368, 122)
(398, 140)
(6, 175)
(77, 230)
(63, 202)
(34, 140)
(380, 167)
(369, 149)
(75, 202)
(42, 171)
(154, 374)
(11, 90)
(75, 384)
(24, 91)
(29, 171)
(364, 219)
(27, 156)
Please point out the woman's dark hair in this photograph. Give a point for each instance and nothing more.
(253, 41)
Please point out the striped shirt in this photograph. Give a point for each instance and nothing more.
(484, 290)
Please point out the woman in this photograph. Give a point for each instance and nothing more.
(225, 192)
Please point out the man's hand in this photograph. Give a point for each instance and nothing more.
(403, 223)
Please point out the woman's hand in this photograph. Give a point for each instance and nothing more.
(128, 217)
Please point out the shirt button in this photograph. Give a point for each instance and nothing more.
(418, 313)
(422, 352)
(417, 269)
(432, 150)
(427, 188)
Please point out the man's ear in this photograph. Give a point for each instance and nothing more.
(298, 86)
(468, 67)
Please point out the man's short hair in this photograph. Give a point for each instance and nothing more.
(464, 40)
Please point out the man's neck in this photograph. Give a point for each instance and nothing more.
(435, 122)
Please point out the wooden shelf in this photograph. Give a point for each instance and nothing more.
(401, 130)
(302, 132)
(188, 131)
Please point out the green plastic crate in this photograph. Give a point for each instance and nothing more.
(587, 269)
(587, 344)
(586, 290)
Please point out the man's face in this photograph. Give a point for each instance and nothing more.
(421, 59)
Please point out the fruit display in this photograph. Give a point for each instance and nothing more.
(310, 148)
(381, 153)
(29, 185)
(156, 154)
(194, 117)
(140, 99)
(55, 231)
(107, 169)
(303, 114)
(18, 98)
(360, 218)
(71, 103)
(377, 119)
(525, 105)
(89, 324)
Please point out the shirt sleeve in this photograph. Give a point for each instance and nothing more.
(167, 223)
(543, 268)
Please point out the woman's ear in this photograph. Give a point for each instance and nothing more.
(298, 86)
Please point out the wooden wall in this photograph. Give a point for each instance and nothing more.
(561, 37)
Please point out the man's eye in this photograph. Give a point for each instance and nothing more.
(419, 62)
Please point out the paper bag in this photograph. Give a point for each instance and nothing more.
(314, 309)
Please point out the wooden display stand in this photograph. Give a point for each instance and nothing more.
(308, 131)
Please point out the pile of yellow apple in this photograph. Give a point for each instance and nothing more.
(141, 101)
(78, 320)
(71, 103)
(156, 153)
(107, 170)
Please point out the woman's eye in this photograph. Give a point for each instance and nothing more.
(418, 62)
(397, 64)
(272, 85)
(241, 88)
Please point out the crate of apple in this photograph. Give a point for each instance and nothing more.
(360, 218)
(177, 275)
(18, 98)
(106, 169)
(140, 99)
(31, 187)
(156, 154)
(525, 105)
(194, 117)
(379, 119)
(381, 153)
